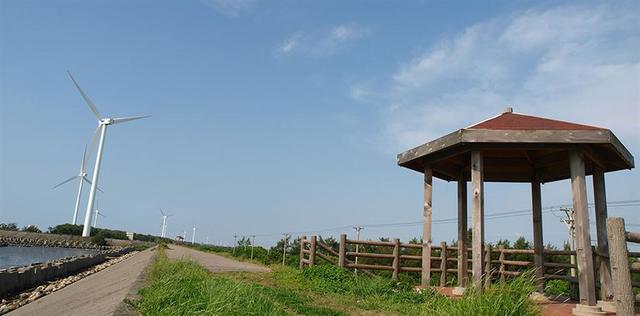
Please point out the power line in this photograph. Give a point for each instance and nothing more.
(498, 215)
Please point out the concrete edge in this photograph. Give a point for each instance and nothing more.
(125, 307)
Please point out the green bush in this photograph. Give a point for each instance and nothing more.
(557, 287)
(99, 240)
(9, 226)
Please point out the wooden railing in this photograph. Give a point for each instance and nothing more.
(500, 263)
(621, 268)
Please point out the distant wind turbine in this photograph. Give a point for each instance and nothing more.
(164, 223)
(98, 213)
(83, 178)
(101, 130)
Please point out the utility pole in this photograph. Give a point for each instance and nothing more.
(193, 237)
(235, 242)
(207, 240)
(184, 236)
(357, 228)
(284, 248)
(571, 227)
(253, 240)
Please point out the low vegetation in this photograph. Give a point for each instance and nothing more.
(184, 288)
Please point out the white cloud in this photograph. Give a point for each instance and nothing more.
(230, 7)
(323, 43)
(575, 63)
(291, 44)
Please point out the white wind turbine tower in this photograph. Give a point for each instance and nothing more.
(101, 130)
(98, 213)
(164, 222)
(83, 178)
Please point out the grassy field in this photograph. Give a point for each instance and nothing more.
(185, 288)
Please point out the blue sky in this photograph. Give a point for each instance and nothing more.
(278, 116)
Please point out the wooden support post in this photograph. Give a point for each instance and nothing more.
(312, 250)
(302, 241)
(426, 226)
(538, 244)
(396, 259)
(487, 266)
(342, 250)
(600, 199)
(462, 231)
(443, 263)
(586, 278)
(620, 273)
(477, 182)
(501, 259)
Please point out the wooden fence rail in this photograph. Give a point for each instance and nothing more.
(500, 263)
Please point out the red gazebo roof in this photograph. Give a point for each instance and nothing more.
(517, 147)
(512, 121)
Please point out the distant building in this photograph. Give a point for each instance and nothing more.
(130, 235)
(179, 238)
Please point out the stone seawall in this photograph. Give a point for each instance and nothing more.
(27, 239)
(14, 280)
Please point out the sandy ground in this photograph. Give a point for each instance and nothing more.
(98, 294)
(212, 262)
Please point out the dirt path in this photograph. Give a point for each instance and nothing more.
(212, 262)
(98, 294)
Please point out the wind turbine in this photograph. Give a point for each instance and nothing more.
(83, 178)
(164, 222)
(95, 219)
(103, 123)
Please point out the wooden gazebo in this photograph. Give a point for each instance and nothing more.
(520, 148)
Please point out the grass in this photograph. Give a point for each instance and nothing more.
(185, 288)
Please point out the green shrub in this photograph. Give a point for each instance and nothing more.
(557, 287)
(9, 226)
(99, 240)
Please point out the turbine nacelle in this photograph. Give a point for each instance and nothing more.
(106, 121)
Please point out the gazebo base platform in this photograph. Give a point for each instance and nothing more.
(559, 306)
(458, 290)
(586, 310)
(607, 306)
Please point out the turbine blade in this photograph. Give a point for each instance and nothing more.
(89, 182)
(99, 213)
(161, 212)
(86, 98)
(119, 120)
(94, 139)
(84, 160)
(65, 181)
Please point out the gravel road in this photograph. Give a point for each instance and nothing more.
(212, 262)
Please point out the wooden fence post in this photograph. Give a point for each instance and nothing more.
(443, 263)
(396, 259)
(312, 253)
(487, 266)
(501, 259)
(620, 273)
(302, 240)
(342, 250)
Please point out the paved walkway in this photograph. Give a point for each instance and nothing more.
(212, 262)
(98, 294)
